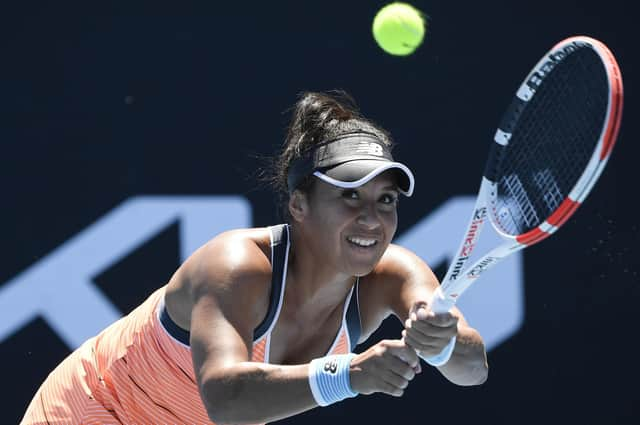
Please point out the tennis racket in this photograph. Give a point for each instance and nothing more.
(551, 146)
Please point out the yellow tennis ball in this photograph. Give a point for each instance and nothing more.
(399, 28)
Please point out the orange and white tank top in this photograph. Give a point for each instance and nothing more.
(346, 338)
(140, 368)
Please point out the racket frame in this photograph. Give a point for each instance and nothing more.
(458, 279)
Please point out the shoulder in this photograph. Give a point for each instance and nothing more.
(230, 259)
(232, 269)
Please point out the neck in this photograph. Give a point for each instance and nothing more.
(317, 282)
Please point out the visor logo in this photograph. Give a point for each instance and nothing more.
(369, 148)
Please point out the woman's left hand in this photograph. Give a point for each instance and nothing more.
(427, 332)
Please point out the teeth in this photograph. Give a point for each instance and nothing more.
(361, 241)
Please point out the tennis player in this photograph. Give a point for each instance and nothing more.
(259, 324)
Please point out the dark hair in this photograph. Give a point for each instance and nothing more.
(317, 117)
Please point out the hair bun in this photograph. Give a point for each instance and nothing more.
(316, 113)
(316, 118)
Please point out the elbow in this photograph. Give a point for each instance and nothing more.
(480, 374)
(476, 375)
(225, 400)
(469, 374)
(218, 402)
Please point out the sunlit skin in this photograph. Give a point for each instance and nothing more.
(329, 221)
(336, 252)
(222, 292)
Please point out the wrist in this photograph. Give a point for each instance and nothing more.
(443, 357)
(329, 379)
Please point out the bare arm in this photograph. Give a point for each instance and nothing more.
(226, 289)
(229, 281)
(427, 332)
(234, 389)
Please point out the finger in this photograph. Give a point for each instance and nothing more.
(401, 367)
(418, 305)
(390, 389)
(414, 343)
(434, 346)
(440, 319)
(411, 341)
(394, 379)
(406, 354)
(428, 330)
(432, 320)
(417, 368)
(424, 330)
(422, 313)
(427, 350)
(399, 349)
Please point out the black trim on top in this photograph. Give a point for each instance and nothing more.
(172, 328)
(353, 318)
(279, 246)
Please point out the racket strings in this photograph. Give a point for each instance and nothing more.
(551, 144)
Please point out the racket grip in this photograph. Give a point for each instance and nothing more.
(440, 303)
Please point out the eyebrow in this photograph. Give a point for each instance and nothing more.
(391, 187)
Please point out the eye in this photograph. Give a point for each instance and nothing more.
(350, 194)
(389, 199)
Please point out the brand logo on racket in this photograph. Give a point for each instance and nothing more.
(369, 148)
(470, 240)
(484, 265)
(547, 66)
(331, 366)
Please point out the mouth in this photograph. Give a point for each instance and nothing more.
(362, 242)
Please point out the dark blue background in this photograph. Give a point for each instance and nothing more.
(104, 101)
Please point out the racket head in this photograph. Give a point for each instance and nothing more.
(554, 140)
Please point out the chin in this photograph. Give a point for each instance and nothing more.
(363, 272)
(361, 268)
(361, 261)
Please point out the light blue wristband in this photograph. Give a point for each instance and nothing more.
(444, 356)
(329, 378)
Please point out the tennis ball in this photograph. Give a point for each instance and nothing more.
(399, 28)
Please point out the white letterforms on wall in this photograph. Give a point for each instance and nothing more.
(59, 287)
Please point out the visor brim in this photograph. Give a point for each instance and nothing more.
(352, 174)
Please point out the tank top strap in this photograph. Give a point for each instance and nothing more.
(279, 256)
(352, 317)
(280, 244)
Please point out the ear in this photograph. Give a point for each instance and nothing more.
(298, 205)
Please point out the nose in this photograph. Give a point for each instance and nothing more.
(368, 217)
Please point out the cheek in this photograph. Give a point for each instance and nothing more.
(329, 219)
(391, 223)
(330, 212)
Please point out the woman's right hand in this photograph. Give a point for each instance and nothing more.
(386, 367)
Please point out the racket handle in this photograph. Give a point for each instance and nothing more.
(440, 303)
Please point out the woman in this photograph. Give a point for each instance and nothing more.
(259, 324)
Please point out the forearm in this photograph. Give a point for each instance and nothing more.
(248, 393)
(468, 363)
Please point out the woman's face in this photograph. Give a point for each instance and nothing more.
(353, 226)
